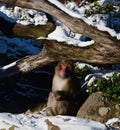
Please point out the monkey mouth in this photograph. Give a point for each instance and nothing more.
(64, 73)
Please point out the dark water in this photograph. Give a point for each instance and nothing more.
(21, 92)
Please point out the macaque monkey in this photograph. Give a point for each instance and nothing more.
(64, 97)
(65, 94)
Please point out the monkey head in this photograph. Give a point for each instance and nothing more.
(65, 68)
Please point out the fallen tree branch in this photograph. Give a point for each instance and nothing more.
(53, 51)
(27, 64)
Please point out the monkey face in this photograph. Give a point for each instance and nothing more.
(65, 70)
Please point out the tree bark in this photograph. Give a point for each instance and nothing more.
(53, 51)
(25, 31)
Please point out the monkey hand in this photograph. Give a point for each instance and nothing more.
(49, 111)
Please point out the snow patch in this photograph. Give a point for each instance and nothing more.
(39, 122)
(62, 34)
(9, 66)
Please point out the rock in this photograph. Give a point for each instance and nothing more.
(103, 111)
(98, 108)
(51, 126)
(13, 127)
(117, 107)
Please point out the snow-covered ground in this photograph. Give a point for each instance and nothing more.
(39, 122)
(14, 47)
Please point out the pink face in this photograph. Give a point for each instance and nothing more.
(63, 70)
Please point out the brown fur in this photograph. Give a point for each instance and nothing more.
(63, 99)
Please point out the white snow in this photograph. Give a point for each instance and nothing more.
(60, 34)
(110, 122)
(39, 122)
(8, 66)
(24, 16)
(92, 69)
(68, 11)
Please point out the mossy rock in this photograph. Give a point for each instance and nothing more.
(98, 108)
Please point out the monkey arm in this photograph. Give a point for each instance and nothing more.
(63, 95)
